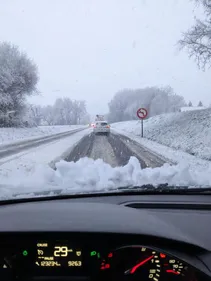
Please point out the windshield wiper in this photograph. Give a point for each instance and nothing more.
(130, 189)
(165, 189)
(162, 189)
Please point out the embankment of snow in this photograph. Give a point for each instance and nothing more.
(187, 131)
(88, 175)
(192, 108)
(12, 135)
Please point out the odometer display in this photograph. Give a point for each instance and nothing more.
(57, 254)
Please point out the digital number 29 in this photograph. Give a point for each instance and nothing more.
(60, 251)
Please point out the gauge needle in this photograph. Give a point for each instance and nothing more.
(133, 269)
(172, 271)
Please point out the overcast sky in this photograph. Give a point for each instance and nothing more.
(89, 49)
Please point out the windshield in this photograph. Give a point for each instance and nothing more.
(101, 95)
(101, 123)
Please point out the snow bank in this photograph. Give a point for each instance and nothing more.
(192, 108)
(187, 131)
(10, 135)
(88, 175)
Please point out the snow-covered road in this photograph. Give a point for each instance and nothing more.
(114, 150)
(14, 148)
(46, 153)
(84, 162)
(10, 136)
(102, 149)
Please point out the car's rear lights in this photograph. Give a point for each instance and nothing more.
(108, 126)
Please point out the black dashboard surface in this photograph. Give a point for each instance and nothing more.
(106, 214)
(119, 225)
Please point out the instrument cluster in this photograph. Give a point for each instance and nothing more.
(45, 258)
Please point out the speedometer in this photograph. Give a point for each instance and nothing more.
(132, 263)
(175, 269)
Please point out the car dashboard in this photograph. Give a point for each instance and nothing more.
(103, 239)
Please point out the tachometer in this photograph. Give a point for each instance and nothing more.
(132, 263)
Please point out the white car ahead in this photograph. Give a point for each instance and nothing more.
(101, 127)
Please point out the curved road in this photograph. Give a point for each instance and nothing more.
(115, 150)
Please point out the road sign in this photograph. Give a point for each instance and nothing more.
(142, 113)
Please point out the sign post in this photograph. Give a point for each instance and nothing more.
(142, 114)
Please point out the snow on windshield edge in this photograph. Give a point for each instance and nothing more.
(98, 176)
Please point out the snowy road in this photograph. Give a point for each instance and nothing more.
(115, 150)
(11, 149)
(42, 170)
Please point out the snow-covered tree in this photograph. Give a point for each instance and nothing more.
(65, 112)
(200, 103)
(58, 109)
(79, 110)
(190, 104)
(119, 104)
(35, 113)
(48, 117)
(125, 103)
(28, 117)
(18, 79)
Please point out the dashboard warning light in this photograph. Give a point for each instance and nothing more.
(110, 255)
(25, 253)
(162, 255)
(93, 253)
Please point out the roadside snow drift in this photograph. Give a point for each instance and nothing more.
(187, 131)
(89, 175)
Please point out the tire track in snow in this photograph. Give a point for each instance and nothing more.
(82, 149)
(102, 149)
(149, 158)
(122, 151)
(111, 149)
(115, 150)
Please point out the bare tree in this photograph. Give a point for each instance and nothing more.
(197, 40)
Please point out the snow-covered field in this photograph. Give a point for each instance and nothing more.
(12, 135)
(184, 131)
